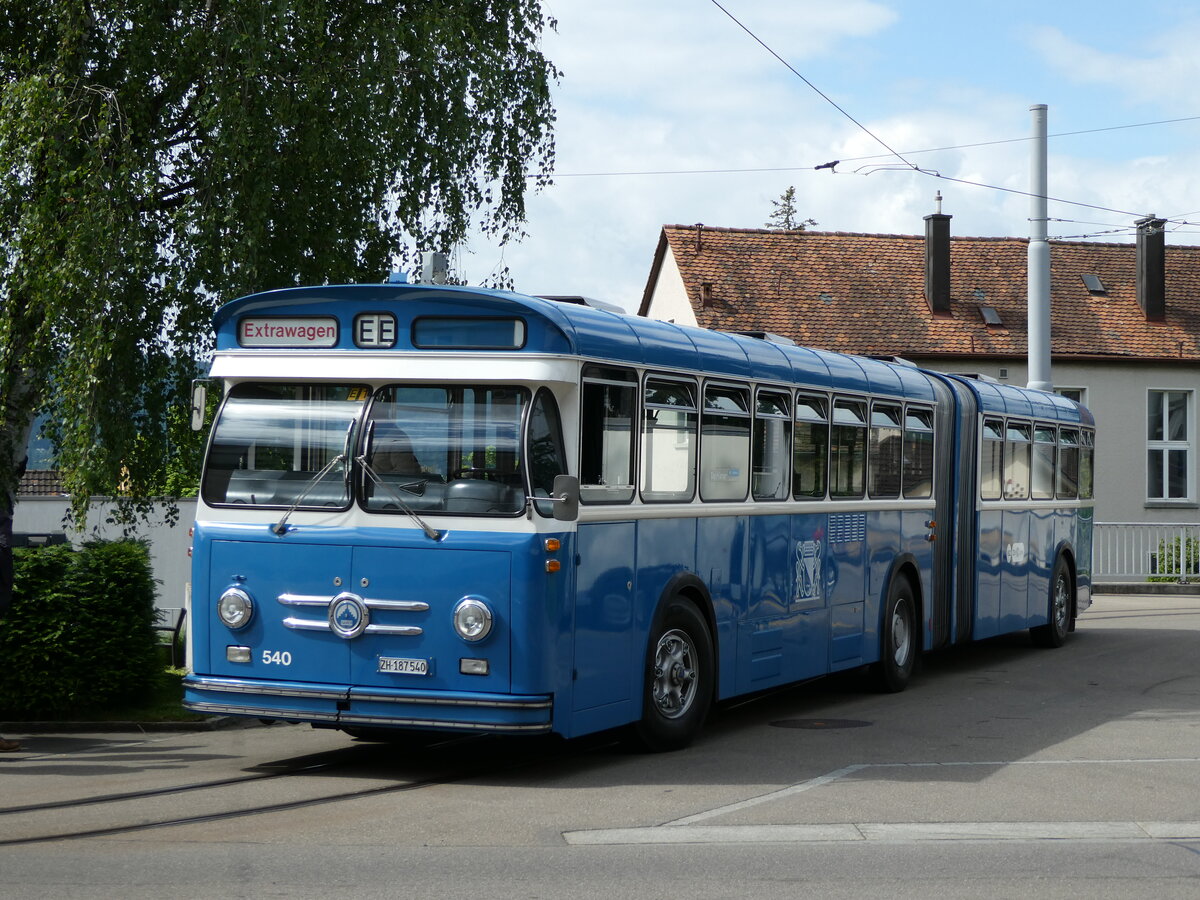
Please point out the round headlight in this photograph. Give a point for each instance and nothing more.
(235, 608)
(472, 619)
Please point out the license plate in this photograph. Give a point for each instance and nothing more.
(398, 666)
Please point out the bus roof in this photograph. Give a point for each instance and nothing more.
(576, 329)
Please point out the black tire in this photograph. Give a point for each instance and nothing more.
(680, 675)
(898, 638)
(1058, 610)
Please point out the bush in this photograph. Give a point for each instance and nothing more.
(80, 634)
(1178, 561)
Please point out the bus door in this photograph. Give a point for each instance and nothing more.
(953, 464)
(846, 535)
(1015, 555)
(606, 551)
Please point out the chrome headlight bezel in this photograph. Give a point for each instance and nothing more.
(235, 608)
(473, 619)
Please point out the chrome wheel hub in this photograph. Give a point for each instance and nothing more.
(674, 686)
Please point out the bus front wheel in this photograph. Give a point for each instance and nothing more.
(679, 678)
(1054, 632)
(898, 641)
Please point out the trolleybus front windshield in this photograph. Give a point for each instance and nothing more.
(276, 444)
(428, 448)
(446, 448)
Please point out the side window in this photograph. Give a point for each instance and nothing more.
(885, 456)
(1086, 460)
(991, 458)
(1016, 469)
(772, 440)
(848, 448)
(1043, 462)
(918, 453)
(545, 455)
(1068, 464)
(725, 443)
(606, 437)
(669, 441)
(810, 451)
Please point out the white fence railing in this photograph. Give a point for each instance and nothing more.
(1135, 551)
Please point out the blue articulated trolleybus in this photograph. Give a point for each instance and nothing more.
(430, 507)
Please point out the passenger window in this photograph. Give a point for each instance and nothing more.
(606, 438)
(772, 440)
(545, 455)
(991, 458)
(1044, 442)
(885, 450)
(669, 441)
(848, 448)
(810, 450)
(1086, 458)
(1068, 465)
(918, 453)
(1016, 470)
(725, 443)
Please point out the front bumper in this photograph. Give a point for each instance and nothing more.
(340, 705)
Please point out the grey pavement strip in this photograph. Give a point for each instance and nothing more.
(907, 832)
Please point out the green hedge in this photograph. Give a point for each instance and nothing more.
(1178, 561)
(80, 635)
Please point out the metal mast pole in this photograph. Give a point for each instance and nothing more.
(1039, 261)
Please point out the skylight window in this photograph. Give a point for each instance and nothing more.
(990, 316)
(1093, 284)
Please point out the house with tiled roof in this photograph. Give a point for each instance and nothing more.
(1125, 326)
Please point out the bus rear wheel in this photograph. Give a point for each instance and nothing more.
(1054, 632)
(679, 678)
(898, 640)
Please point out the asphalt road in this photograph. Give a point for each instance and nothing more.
(1004, 771)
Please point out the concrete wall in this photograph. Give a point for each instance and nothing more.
(168, 544)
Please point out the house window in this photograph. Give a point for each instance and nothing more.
(1078, 394)
(1168, 445)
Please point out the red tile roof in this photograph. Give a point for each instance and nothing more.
(865, 294)
(40, 482)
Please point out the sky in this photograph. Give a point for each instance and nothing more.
(671, 86)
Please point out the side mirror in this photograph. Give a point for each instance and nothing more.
(199, 405)
(566, 498)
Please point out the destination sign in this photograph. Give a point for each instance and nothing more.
(317, 331)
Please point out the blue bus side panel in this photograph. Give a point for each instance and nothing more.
(1083, 558)
(721, 564)
(784, 634)
(846, 579)
(1014, 571)
(1045, 536)
(665, 547)
(989, 558)
(604, 622)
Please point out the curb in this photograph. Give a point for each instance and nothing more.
(213, 723)
(1144, 588)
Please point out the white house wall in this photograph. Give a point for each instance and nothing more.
(669, 302)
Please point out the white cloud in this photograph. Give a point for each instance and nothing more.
(674, 85)
(1170, 59)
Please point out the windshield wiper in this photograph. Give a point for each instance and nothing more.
(280, 527)
(430, 532)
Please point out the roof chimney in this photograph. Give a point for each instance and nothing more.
(937, 261)
(1151, 265)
